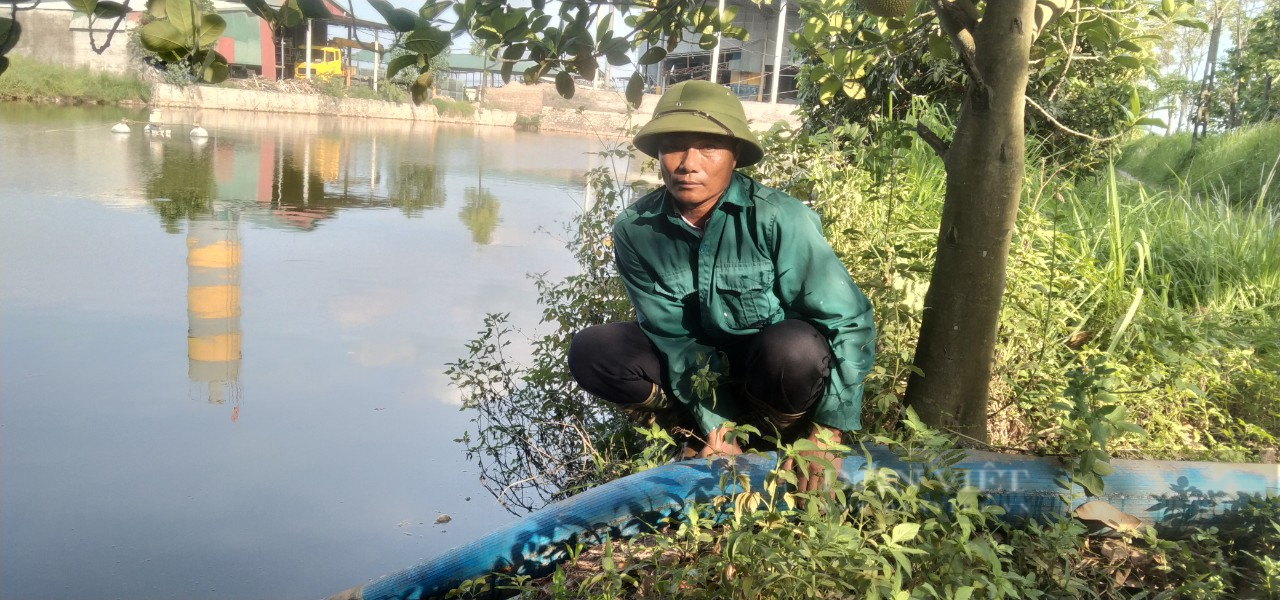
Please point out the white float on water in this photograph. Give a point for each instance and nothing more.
(121, 127)
(199, 132)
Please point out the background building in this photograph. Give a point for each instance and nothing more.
(747, 67)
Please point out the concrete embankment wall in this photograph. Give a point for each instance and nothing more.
(592, 112)
(216, 98)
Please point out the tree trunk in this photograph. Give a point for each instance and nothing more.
(1201, 125)
(1266, 99)
(984, 184)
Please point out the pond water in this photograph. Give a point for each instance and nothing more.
(221, 362)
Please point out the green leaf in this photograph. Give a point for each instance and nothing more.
(290, 14)
(963, 593)
(586, 65)
(1130, 45)
(400, 63)
(427, 40)
(157, 8)
(213, 66)
(853, 89)
(940, 47)
(211, 28)
(1133, 428)
(106, 9)
(314, 9)
(507, 68)
(616, 51)
(10, 31)
(1194, 24)
(1127, 61)
(903, 532)
(162, 36)
(635, 89)
(1101, 468)
(653, 55)
(260, 7)
(432, 9)
(604, 28)
(1168, 7)
(399, 19)
(535, 73)
(564, 84)
(1090, 482)
(513, 52)
(184, 16)
(539, 23)
(83, 6)
(418, 90)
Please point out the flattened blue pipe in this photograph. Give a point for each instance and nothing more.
(1170, 495)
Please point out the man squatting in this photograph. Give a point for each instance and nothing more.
(724, 271)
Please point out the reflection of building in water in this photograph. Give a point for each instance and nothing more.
(213, 305)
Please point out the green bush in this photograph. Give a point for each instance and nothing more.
(453, 108)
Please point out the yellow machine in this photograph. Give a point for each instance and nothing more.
(326, 62)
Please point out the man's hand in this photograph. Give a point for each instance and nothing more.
(813, 476)
(716, 444)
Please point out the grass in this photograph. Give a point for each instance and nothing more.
(1240, 165)
(36, 81)
(453, 108)
(336, 87)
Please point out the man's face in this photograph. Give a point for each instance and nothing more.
(696, 167)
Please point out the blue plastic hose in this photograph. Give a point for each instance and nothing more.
(1171, 495)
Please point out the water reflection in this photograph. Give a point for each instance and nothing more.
(291, 183)
(213, 306)
(296, 183)
(480, 214)
(325, 272)
(417, 189)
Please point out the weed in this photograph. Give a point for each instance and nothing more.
(33, 80)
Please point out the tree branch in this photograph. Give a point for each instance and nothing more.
(940, 147)
(1069, 130)
(955, 21)
(1071, 54)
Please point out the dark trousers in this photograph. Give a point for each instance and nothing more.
(786, 366)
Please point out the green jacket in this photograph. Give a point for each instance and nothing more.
(761, 259)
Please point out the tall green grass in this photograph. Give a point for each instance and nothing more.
(1240, 164)
(36, 81)
(1179, 291)
(1201, 276)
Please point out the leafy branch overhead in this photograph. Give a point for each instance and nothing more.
(180, 32)
(567, 43)
(846, 44)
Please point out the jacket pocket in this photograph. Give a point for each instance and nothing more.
(746, 294)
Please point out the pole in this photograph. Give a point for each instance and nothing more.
(377, 54)
(308, 48)
(777, 51)
(715, 54)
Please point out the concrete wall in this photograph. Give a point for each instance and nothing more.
(605, 112)
(592, 112)
(214, 98)
(63, 37)
(45, 37)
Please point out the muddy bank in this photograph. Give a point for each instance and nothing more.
(589, 112)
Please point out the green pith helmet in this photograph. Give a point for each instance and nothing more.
(700, 107)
